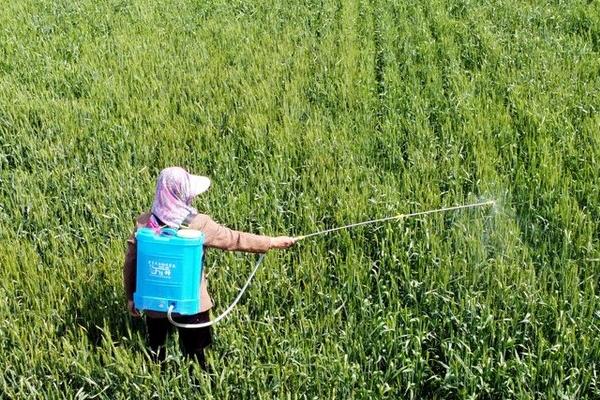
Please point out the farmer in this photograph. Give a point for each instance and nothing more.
(175, 190)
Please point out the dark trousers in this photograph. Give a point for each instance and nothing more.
(192, 341)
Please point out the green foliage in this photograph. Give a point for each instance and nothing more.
(308, 115)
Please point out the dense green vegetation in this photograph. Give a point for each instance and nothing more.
(308, 115)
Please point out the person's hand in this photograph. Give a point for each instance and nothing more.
(282, 242)
(132, 310)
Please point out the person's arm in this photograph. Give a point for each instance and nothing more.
(129, 270)
(221, 237)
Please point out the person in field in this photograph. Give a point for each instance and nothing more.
(175, 190)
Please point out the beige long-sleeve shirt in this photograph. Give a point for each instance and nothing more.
(215, 236)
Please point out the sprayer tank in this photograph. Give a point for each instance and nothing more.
(169, 268)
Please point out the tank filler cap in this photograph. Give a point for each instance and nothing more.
(189, 233)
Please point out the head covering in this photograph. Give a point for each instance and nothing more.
(175, 190)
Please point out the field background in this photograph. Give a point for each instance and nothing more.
(308, 115)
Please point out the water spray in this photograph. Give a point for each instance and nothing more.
(323, 232)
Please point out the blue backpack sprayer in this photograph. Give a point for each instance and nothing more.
(169, 267)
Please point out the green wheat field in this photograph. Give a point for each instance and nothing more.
(308, 115)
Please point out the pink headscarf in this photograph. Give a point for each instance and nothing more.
(173, 198)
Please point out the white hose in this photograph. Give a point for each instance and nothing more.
(227, 311)
(262, 256)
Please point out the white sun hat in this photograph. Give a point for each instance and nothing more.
(198, 184)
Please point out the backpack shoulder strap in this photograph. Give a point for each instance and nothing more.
(188, 220)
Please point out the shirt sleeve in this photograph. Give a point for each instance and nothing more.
(129, 267)
(221, 237)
